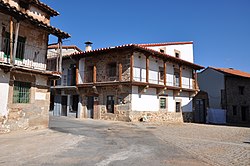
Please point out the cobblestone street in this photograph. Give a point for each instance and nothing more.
(216, 145)
(104, 143)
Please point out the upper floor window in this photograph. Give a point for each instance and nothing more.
(241, 90)
(176, 77)
(112, 69)
(20, 45)
(177, 53)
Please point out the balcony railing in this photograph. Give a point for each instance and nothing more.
(26, 55)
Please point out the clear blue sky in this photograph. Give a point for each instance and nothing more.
(220, 29)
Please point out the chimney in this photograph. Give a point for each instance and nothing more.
(88, 45)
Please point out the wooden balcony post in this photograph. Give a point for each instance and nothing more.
(165, 73)
(195, 80)
(147, 68)
(60, 55)
(94, 74)
(131, 67)
(11, 40)
(120, 71)
(77, 72)
(15, 41)
(180, 79)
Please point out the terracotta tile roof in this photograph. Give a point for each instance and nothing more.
(16, 13)
(164, 44)
(55, 46)
(231, 71)
(139, 48)
(45, 7)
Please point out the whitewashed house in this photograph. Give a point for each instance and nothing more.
(24, 29)
(154, 82)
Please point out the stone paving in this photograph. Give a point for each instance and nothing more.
(216, 145)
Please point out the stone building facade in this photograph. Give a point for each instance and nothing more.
(231, 92)
(25, 95)
(137, 82)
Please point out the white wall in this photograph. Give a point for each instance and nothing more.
(144, 102)
(212, 82)
(4, 89)
(139, 69)
(186, 51)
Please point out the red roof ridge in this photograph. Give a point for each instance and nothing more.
(232, 71)
(166, 43)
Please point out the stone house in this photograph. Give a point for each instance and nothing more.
(137, 82)
(227, 89)
(24, 29)
(64, 95)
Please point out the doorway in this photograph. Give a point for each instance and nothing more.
(90, 107)
(64, 106)
(199, 115)
(244, 113)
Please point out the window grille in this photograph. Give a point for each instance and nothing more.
(21, 93)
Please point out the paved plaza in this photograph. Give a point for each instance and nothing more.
(102, 143)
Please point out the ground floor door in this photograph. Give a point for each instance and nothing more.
(64, 106)
(244, 114)
(200, 112)
(90, 107)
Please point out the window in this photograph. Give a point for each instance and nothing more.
(177, 106)
(110, 104)
(20, 45)
(162, 51)
(234, 110)
(241, 90)
(177, 53)
(112, 69)
(21, 93)
(163, 103)
(161, 71)
(176, 77)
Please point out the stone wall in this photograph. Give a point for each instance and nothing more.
(102, 64)
(234, 98)
(188, 116)
(32, 115)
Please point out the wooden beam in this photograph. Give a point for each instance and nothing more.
(180, 79)
(60, 55)
(94, 74)
(131, 67)
(120, 71)
(195, 80)
(165, 73)
(147, 68)
(11, 40)
(77, 72)
(16, 40)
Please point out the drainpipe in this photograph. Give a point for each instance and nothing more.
(15, 41)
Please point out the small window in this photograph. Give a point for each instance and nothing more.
(162, 51)
(21, 93)
(177, 106)
(177, 53)
(112, 69)
(161, 71)
(234, 110)
(162, 103)
(241, 90)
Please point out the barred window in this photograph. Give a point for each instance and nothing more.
(162, 103)
(21, 93)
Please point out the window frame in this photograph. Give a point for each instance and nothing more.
(112, 69)
(21, 92)
(165, 104)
